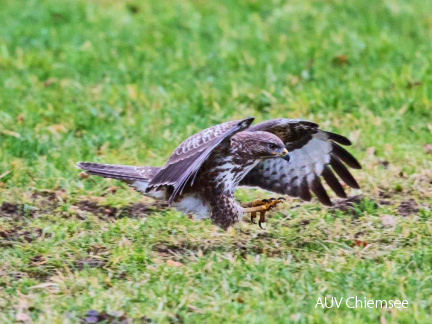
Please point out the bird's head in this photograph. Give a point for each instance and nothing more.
(262, 145)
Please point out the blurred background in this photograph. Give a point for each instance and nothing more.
(126, 81)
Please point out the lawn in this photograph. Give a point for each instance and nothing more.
(126, 81)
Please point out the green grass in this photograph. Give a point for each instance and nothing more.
(126, 81)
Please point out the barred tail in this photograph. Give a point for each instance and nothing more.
(120, 172)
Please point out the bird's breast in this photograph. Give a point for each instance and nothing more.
(228, 173)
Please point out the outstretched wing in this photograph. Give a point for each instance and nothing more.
(185, 162)
(314, 154)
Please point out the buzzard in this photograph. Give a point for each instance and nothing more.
(202, 174)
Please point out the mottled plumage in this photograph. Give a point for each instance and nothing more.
(202, 174)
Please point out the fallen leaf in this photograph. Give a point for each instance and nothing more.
(172, 263)
(83, 175)
(360, 243)
(341, 60)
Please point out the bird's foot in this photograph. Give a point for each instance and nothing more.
(262, 206)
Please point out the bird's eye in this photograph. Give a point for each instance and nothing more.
(273, 146)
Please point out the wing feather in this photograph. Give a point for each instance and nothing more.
(345, 156)
(185, 162)
(313, 151)
(343, 172)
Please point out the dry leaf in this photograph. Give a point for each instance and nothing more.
(83, 175)
(341, 60)
(360, 243)
(172, 263)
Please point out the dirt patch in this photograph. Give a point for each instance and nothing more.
(97, 249)
(10, 209)
(15, 211)
(408, 207)
(89, 263)
(48, 202)
(244, 245)
(356, 205)
(93, 316)
(134, 210)
(18, 234)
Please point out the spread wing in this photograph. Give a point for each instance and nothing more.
(314, 153)
(185, 162)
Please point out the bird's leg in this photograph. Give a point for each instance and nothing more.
(262, 206)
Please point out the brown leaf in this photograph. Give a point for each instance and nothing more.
(83, 175)
(360, 243)
(341, 60)
(172, 263)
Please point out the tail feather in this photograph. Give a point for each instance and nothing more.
(120, 172)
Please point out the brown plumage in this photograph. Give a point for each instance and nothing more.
(202, 174)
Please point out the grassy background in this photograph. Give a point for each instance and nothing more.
(126, 81)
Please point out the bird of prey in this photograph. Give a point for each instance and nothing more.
(202, 174)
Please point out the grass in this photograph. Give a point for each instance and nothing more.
(126, 81)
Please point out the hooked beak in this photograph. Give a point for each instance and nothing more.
(285, 155)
